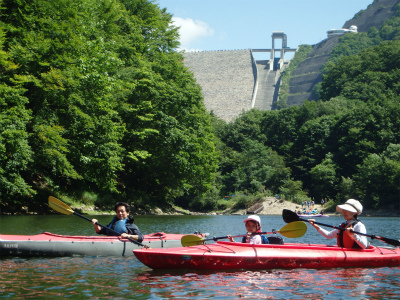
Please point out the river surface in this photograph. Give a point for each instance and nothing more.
(126, 278)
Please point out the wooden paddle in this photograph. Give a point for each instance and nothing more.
(291, 230)
(63, 208)
(290, 216)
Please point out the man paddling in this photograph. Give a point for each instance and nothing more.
(122, 223)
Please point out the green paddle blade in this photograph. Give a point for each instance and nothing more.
(59, 206)
(294, 229)
(191, 240)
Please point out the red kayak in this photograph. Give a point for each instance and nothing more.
(49, 244)
(228, 256)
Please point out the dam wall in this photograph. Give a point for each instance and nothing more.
(227, 79)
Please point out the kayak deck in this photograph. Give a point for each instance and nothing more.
(228, 256)
(49, 244)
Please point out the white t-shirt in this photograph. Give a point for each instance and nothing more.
(255, 239)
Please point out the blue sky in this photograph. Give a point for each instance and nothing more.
(243, 24)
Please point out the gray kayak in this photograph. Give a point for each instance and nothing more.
(49, 244)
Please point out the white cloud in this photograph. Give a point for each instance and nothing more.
(191, 30)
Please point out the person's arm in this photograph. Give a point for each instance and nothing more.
(328, 234)
(361, 240)
(96, 226)
(103, 230)
(133, 232)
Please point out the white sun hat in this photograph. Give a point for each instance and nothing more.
(351, 205)
(253, 218)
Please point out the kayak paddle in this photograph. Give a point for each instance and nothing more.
(63, 208)
(290, 216)
(291, 230)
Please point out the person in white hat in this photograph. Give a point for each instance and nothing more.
(253, 225)
(347, 238)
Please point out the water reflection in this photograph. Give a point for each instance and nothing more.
(126, 278)
(66, 277)
(275, 284)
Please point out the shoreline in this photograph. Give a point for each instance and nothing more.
(270, 207)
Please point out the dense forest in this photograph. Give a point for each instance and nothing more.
(97, 105)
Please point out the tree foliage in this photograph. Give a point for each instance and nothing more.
(368, 76)
(96, 98)
(343, 146)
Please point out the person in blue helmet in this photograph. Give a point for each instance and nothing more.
(122, 223)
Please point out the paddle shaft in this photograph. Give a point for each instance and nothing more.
(336, 227)
(225, 237)
(112, 230)
(291, 230)
(372, 236)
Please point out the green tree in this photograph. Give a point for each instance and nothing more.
(323, 178)
(311, 147)
(246, 163)
(346, 189)
(293, 190)
(15, 151)
(371, 74)
(114, 109)
(377, 178)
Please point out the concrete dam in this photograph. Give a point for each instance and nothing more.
(234, 81)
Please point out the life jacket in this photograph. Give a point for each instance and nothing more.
(346, 239)
(264, 239)
(118, 225)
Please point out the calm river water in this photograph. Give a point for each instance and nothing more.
(127, 278)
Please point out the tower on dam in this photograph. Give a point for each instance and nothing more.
(234, 81)
(277, 63)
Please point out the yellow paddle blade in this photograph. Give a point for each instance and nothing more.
(294, 229)
(191, 240)
(59, 206)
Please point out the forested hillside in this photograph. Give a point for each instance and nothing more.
(96, 104)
